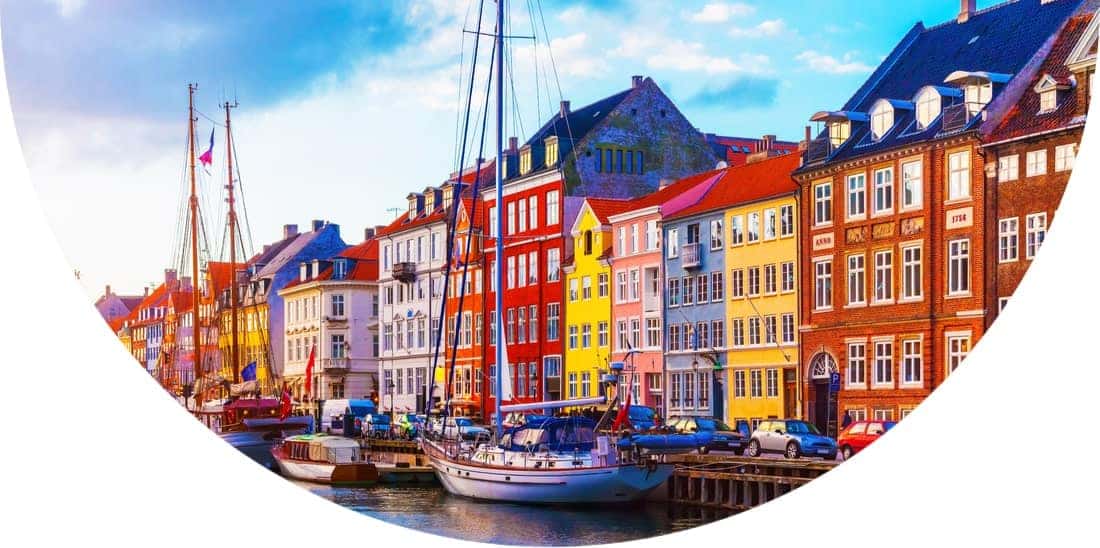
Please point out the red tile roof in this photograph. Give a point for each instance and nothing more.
(1024, 118)
(606, 207)
(673, 190)
(748, 183)
(155, 298)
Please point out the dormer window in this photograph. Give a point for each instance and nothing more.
(1050, 91)
(525, 160)
(339, 269)
(412, 207)
(429, 200)
(551, 151)
(882, 119)
(839, 132)
(929, 104)
(977, 87)
(977, 96)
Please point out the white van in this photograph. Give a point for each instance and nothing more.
(333, 411)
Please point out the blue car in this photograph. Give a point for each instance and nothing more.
(792, 439)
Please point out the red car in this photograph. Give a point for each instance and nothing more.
(860, 434)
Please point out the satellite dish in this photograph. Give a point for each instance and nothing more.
(722, 165)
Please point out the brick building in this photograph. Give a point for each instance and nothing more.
(896, 287)
(1031, 151)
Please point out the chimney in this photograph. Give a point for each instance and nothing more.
(807, 137)
(107, 290)
(289, 231)
(636, 81)
(169, 276)
(378, 229)
(966, 10)
(317, 225)
(146, 291)
(764, 149)
(513, 144)
(368, 234)
(564, 108)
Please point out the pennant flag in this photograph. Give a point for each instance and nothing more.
(284, 404)
(249, 372)
(309, 370)
(207, 157)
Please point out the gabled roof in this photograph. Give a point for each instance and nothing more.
(746, 184)
(363, 267)
(682, 188)
(603, 208)
(288, 252)
(156, 298)
(1023, 118)
(1000, 40)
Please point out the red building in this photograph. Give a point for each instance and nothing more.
(735, 151)
(895, 212)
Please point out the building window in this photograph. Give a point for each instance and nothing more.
(769, 224)
(958, 346)
(769, 279)
(717, 286)
(823, 203)
(770, 332)
(739, 384)
(651, 235)
(737, 332)
(912, 180)
(857, 196)
(552, 208)
(689, 390)
(673, 243)
(884, 414)
(856, 280)
(673, 290)
(884, 191)
(773, 383)
(553, 317)
(958, 185)
(603, 285)
(1008, 168)
(754, 331)
(884, 276)
(1036, 162)
(586, 336)
(737, 283)
(958, 273)
(786, 220)
(788, 329)
(337, 302)
(839, 132)
(521, 328)
(572, 386)
(634, 238)
(857, 365)
(882, 119)
(586, 288)
(636, 285)
(754, 227)
(572, 337)
(533, 323)
(1009, 239)
(653, 332)
(756, 390)
(553, 265)
(718, 331)
(928, 107)
(737, 230)
(787, 277)
(823, 286)
(754, 281)
(1048, 101)
(510, 335)
(884, 363)
(912, 362)
(1036, 233)
(1064, 156)
(911, 272)
(689, 290)
(673, 336)
(716, 234)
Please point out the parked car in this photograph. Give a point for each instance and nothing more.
(723, 438)
(860, 434)
(462, 427)
(409, 425)
(792, 439)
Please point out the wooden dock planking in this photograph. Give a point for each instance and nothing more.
(738, 483)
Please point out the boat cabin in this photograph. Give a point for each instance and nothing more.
(323, 448)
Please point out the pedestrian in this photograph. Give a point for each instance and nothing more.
(846, 421)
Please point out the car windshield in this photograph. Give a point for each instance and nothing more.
(712, 424)
(464, 422)
(799, 427)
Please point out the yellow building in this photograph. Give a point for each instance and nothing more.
(588, 299)
(762, 288)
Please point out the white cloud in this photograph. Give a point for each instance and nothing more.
(828, 64)
(67, 8)
(769, 28)
(720, 12)
(693, 57)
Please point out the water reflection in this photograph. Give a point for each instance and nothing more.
(432, 510)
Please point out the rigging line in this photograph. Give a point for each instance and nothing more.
(461, 78)
(557, 80)
(243, 202)
(211, 120)
(517, 119)
(535, 58)
(454, 214)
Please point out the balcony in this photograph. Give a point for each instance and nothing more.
(959, 116)
(691, 255)
(335, 364)
(405, 272)
(818, 150)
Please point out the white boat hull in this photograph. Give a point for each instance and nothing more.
(620, 483)
(306, 471)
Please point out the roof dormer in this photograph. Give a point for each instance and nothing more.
(525, 160)
(429, 199)
(551, 143)
(839, 124)
(1051, 91)
(884, 115)
(929, 103)
(416, 202)
(977, 87)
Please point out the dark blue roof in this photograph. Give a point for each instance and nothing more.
(1000, 39)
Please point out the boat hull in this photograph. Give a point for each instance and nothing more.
(350, 474)
(607, 484)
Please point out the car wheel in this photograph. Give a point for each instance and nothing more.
(739, 451)
(704, 450)
(754, 448)
(846, 452)
(792, 451)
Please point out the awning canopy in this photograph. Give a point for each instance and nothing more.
(979, 77)
(838, 116)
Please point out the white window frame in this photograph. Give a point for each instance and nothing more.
(912, 363)
(884, 276)
(1008, 168)
(823, 204)
(883, 199)
(883, 363)
(959, 267)
(856, 376)
(1008, 240)
(912, 191)
(907, 273)
(958, 176)
(1036, 162)
(823, 284)
(855, 207)
(1065, 156)
(857, 279)
(1036, 233)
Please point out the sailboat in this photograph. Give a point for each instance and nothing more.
(564, 460)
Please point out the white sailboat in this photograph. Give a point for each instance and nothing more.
(556, 460)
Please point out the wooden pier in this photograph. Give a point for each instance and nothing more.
(737, 483)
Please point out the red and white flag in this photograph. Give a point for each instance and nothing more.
(309, 371)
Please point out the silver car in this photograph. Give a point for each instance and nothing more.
(792, 439)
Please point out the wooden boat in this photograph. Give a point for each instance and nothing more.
(319, 458)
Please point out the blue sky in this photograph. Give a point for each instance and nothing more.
(348, 106)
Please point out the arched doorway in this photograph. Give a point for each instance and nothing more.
(823, 413)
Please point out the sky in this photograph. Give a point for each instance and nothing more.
(345, 107)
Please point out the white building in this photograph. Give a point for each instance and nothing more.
(413, 254)
(334, 305)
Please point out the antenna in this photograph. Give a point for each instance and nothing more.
(394, 210)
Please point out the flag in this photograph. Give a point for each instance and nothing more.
(504, 369)
(284, 404)
(309, 370)
(249, 372)
(207, 157)
(624, 412)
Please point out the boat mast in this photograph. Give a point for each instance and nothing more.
(500, 213)
(233, 350)
(196, 329)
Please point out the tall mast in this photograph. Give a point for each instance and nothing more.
(233, 350)
(500, 212)
(196, 329)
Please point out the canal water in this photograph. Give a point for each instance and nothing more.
(433, 510)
